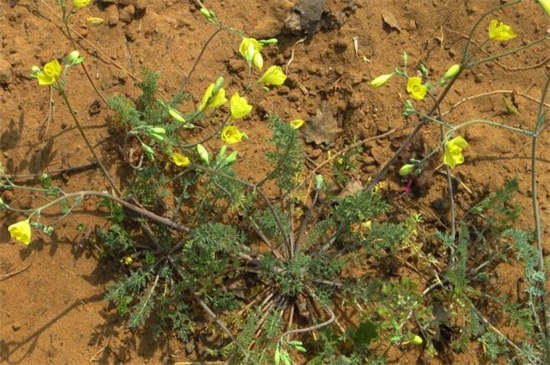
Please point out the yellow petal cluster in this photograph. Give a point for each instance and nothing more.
(232, 134)
(210, 101)
(49, 75)
(81, 3)
(415, 88)
(453, 152)
(239, 106)
(251, 49)
(21, 231)
(180, 160)
(273, 76)
(296, 123)
(500, 31)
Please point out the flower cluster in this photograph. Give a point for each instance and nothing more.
(251, 49)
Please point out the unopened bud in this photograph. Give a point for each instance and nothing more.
(203, 153)
(406, 169)
(417, 340)
(452, 71)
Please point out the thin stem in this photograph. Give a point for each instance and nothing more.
(536, 214)
(90, 147)
(315, 327)
(466, 52)
(515, 50)
(197, 60)
(140, 211)
(68, 29)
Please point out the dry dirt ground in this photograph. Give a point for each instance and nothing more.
(53, 311)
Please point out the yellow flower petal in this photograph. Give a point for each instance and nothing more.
(545, 5)
(180, 160)
(21, 231)
(453, 152)
(81, 3)
(273, 76)
(210, 101)
(500, 31)
(232, 134)
(239, 106)
(250, 49)
(296, 123)
(49, 75)
(415, 88)
(44, 80)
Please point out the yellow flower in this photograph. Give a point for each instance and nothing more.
(232, 134)
(210, 101)
(546, 5)
(51, 72)
(239, 106)
(180, 160)
(273, 76)
(127, 260)
(380, 80)
(415, 88)
(250, 49)
(21, 231)
(453, 152)
(81, 3)
(500, 31)
(296, 123)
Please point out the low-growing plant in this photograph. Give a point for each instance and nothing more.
(300, 270)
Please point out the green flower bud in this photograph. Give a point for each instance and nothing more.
(203, 153)
(408, 108)
(176, 115)
(268, 41)
(217, 85)
(74, 58)
(452, 71)
(231, 158)
(148, 151)
(380, 80)
(406, 169)
(417, 340)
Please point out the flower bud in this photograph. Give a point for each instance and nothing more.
(217, 85)
(94, 20)
(176, 115)
(406, 169)
(452, 71)
(380, 80)
(408, 108)
(35, 70)
(148, 151)
(417, 340)
(203, 153)
(265, 42)
(158, 130)
(231, 158)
